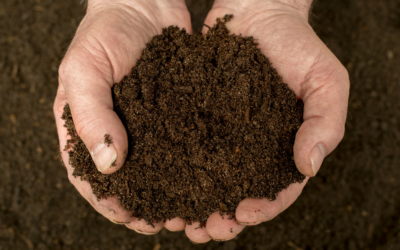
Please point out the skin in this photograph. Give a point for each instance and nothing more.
(107, 44)
(110, 39)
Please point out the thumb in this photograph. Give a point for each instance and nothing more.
(325, 110)
(88, 89)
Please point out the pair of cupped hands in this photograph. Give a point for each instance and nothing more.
(110, 40)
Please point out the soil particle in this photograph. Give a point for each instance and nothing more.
(108, 140)
(209, 123)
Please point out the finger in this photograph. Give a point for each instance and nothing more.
(142, 227)
(325, 110)
(220, 228)
(87, 81)
(255, 211)
(197, 234)
(109, 207)
(175, 224)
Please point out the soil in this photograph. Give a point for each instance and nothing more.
(353, 202)
(209, 124)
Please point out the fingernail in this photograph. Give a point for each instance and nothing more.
(104, 156)
(142, 232)
(317, 155)
(119, 223)
(223, 239)
(249, 223)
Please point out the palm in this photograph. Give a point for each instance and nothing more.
(289, 42)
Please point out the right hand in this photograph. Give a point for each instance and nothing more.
(107, 44)
(317, 77)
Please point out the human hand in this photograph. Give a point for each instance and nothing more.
(107, 44)
(315, 75)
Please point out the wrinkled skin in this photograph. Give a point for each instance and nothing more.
(110, 39)
(107, 44)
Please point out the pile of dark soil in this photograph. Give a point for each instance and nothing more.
(209, 123)
(353, 202)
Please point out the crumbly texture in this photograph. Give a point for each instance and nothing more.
(209, 123)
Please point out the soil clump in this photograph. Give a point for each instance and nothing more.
(209, 123)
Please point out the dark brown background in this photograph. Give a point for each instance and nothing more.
(353, 203)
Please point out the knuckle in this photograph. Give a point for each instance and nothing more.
(58, 107)
(340, 130)
(107, 211)
(343, 71)
(55, 108)
(64, 68)
(344, 74)
(75, 59)
(337, 131)
(85, 123)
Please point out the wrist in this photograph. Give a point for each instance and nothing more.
(302, 6)
(298, 7)
(159, 4)
(156, 13)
